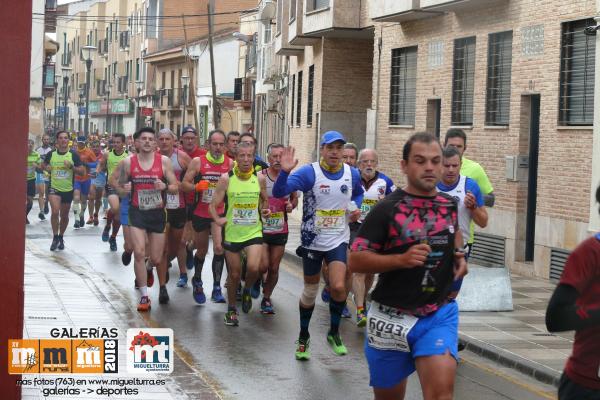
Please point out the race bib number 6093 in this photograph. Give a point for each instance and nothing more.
(387, 329)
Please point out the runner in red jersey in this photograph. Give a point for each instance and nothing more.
(176, 211)
(189, 144)
(575, 305)
(145, 173)
(201, 179)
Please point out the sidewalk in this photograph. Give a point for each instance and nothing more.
(516, 339)
(62, 295)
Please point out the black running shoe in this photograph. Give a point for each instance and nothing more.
(126, 258)
(163, 296)
(61, 243)
(54, 244)
(113, 243)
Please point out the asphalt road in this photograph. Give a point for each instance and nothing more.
(256, 360)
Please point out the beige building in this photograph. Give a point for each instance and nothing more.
(519, 80)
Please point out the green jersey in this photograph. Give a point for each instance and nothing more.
(476, 172)
(32, 158)
(61, 177)
(243, 217)
(113, 160)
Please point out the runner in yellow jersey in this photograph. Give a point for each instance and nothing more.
(246, 200)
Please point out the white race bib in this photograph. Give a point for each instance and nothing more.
(366, 206)
(331, 222)
(244, 214)
(149, 199)
(207, 194)
(388, 329)
(274, 223)
(61, 174)
(172, 201)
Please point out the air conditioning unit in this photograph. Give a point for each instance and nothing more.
(272, 99)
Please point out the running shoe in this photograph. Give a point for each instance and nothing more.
(113, 243)
(150, 277)
(54, 244)
(96, 220)
(90, 220)
(41, 216)
(183, 279)
(106, 234)
(163, 295)
(361, 319)
(61, 243)
(216, 295)
(335, 341)
(255, 289)
(303, 349)
(126, 258)
(231, 318)
(346, 313)
(246, 301)
(144, 304)
(198, 292)
(325, 294)
(266, 307)
(81, 221)
(76, 224)
(189, 259)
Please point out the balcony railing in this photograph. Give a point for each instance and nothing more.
(251, 53)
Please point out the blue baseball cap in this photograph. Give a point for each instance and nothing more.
(81, 139)
(332, 136)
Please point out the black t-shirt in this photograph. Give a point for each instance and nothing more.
(398, 222)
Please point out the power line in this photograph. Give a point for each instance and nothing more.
(81, 17)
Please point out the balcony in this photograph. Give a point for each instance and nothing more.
(124, 40)
(398, 10)
(333, 18)
(456, 5)
(284, 48)
(251, 54)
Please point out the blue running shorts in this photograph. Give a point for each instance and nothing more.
(434, 334)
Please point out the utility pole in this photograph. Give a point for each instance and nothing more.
(191, 73)
(215, 105)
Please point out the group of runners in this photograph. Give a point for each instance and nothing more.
(357, 228)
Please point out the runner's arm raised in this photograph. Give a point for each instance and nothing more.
(188, 179)
(218, 198)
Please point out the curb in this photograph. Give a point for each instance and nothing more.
(503, 357)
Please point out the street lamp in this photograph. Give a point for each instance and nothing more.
(139, 85)
(66, 73)
(87, 53)
(108, 87)
(185, 80)
(56, 79)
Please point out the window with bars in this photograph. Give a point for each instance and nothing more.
(497, 103)
(403, 87)
(577, 74)
(309, 107)
(299, 100)
(463, 79)
(293, 99)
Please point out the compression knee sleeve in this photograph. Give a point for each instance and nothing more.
(309, 294)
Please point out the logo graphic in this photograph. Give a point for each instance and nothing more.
(381, 190)
(344, 189)
(23, 356)
(150, 350)
(60, 356)
(325, 189)
(55, 356)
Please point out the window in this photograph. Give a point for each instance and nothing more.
(137, 69)
(299, 100)
(577, 74)
(293, 99)
(462, 81)
(497, 104)
(312, 5)
(309, 107)
(279, 16)
(403, 90)
(164, 80)
(292, 10)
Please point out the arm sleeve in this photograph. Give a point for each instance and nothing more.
(563, 313)
(473, 187)
(303, 179)
(389, 187)
(357, 189)
(373, 231)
